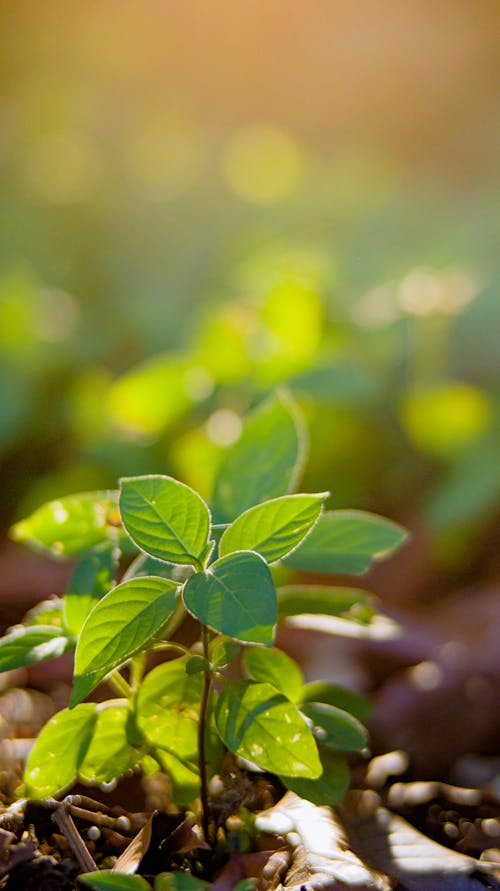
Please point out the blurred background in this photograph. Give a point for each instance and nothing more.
(202, 201)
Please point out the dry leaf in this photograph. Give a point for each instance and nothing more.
(322, 858)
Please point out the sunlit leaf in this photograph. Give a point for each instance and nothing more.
(327, 789)
(347, 541)
(71, 525)
(108, 880)
(92, 578)
(165, 518)
(334, 728)
(444, 418)
(47, 612)
(123, 622)
(260, 724)
(350, 603)
(179, 881)
(167, 708)
(109, 755)
(145, 400)
(275, 667)
(264, 462)
(26, 646)
(274, 528)
(59, 751)
(235, 596)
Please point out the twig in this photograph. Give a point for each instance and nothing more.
(65, 823)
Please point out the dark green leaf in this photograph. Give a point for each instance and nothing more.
(179, 881)
(197, 663)
(334, 728)
(347, 541)
(59, 751)
(348, 700)
(165, 518)
(264, 463)
(71, 525)
(91, 580)
(261, 725)
(235, 596)
(274, 528)
(275, 667)
(348, 603)
(25, 646)
(108, 880)
(120, 625)
(330, 787)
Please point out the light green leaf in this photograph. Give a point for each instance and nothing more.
(275, 667)
(348, 700)
(109, 880)
(185, 779)
(109, 755)
(222, 651)
(274, 528)
(349, 603)
(59, 751)
(90, 581)
(146, 565)
(120, 625)
(179, 881)
(347, 541)
(235, 596)
(334, 728)
(165, 518)
(264, 462)
(25, 646)
(261, 725)
(47, 612)
(330, 787)
(71, 525)
(167, 708)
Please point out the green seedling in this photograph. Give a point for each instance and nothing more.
(221, 565)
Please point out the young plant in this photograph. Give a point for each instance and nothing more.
(219, 566)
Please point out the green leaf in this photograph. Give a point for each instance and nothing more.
(165, 518)
(168, 706)
(261, 725)
(275, 667)
(59, 751)
(25, 646)
(334, 728)
(179, 881)
(264, 462)
(349, 603)
(109, 880)
(90, 581)
(330, 787)
(347, 700)
(71, 525)
(223, 651)
(109, 755)
(185, 779)
(197, 663)
(120, 625)
(235, 596)
(347, 541)
(146, 565)
(274, 528)
(47, 612)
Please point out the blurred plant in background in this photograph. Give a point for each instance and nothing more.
(180, 237)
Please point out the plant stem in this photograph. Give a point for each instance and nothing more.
(116, 680)
(202, 734)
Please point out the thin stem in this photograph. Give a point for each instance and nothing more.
(137, 671)
(168, 645)
(116, 680)
(202, 734)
